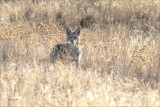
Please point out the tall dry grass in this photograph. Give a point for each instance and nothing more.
(120, 64)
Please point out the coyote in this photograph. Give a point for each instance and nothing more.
(69, 51)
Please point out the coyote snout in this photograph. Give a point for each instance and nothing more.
(69, 51)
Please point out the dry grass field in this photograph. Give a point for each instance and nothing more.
(120, 64)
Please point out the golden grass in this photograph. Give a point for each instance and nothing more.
(120, 64)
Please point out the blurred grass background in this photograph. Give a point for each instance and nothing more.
(120, 60)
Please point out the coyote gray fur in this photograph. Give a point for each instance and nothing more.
(69, 51)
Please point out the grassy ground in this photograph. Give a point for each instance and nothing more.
(120, 64)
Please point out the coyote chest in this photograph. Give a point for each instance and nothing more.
(66, 51)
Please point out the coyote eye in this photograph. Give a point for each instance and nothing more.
(74, 37)
(70, 37)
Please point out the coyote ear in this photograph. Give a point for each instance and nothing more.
(68, 31)
(77, 31)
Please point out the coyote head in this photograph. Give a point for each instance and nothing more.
(73, 37)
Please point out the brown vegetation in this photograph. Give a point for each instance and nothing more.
(120, 63)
